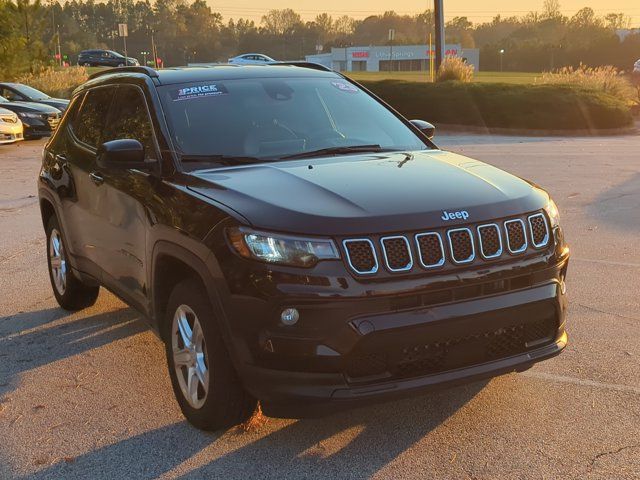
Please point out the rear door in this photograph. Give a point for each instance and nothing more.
(122, 232)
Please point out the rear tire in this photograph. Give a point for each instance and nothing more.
(69, 291)
(204, 380)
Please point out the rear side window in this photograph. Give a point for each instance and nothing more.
(129, 119)
(89, 122)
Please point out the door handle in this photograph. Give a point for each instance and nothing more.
(96, 178)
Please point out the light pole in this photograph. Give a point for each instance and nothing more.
(501, 55)
(439, 20)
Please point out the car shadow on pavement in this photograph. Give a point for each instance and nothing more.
(619, 206)
(29, 340)
(354, 444)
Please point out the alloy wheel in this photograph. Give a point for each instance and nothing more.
(190, 356)
(58, 261)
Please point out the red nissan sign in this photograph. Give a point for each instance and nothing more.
(360, 54)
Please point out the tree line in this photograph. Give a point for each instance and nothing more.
(191, 31)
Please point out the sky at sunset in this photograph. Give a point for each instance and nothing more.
(477, 11)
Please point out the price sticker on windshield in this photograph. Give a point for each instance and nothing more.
(199, 91)
(344, 86)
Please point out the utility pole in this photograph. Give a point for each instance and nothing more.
(439, 19)
(154, 52)
(58, 44)
(392, 36)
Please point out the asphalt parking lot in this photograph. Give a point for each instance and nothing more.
(87, 395)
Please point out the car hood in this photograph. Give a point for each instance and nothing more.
(370, 193)
(29, 107)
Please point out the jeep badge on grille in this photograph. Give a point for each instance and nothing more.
(462, 214)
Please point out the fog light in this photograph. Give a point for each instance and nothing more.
(289, 316)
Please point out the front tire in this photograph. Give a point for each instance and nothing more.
(204, 380)
(69, 291)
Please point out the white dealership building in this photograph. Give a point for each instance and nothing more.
(389, 58)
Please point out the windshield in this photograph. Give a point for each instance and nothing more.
(31, 92)
(3, 100)
(272, 118)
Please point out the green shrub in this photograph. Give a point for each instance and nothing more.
(56, 82)
(454, 68)
(497, 105)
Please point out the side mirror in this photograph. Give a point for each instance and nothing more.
(425, 127)
(122, 154)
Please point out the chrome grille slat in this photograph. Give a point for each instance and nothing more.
(487, 239)
(397, 253)
(516, 236)
(427, 249)
(360, 255)
(461, 242)
(538, 227)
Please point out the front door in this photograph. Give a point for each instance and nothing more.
(124, 222)
(76, 157)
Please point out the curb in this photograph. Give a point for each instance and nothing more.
(484, 130)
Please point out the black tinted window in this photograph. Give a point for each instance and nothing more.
(129, 119)
(274, 117)
(89, 123)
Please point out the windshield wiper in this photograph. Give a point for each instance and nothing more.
(222, 159)
(338, 151)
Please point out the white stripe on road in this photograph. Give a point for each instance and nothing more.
(607, 262)
(579, 381)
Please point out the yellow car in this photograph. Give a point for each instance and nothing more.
(10, 127)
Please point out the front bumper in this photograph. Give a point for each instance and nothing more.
(356, 351)
(10, 132)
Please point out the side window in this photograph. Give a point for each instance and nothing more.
(89, 122)
(129, 119)
(11, 95)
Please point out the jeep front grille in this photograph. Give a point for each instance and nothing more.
(514, 236)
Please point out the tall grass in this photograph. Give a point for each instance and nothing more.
(605, 79)
(454, 68)
(56, 82)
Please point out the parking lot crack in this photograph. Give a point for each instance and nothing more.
(611, 452)
(619, 315)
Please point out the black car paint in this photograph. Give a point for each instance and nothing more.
(175, 220)
(33, 128)
(59, 103)
(95, 58)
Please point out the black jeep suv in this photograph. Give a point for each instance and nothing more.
(294, 240)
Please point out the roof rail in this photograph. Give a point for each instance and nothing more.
(303, 64)
(138, 69)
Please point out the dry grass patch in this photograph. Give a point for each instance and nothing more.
(56, 82)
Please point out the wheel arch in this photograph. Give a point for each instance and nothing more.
(172, 264)
(47, 210)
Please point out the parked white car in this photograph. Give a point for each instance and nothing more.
(251, 59)
(10, 127)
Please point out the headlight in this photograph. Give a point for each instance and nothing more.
(553, 213)
(29, 115)
(281, 249)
